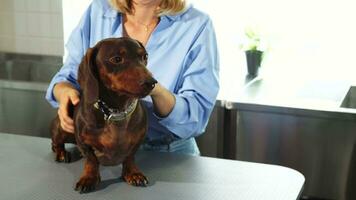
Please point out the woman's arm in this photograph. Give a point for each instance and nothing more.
(63, 89)
(163, 100)
(186, 111)
(77, 44)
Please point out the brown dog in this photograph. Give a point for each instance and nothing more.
(110, 122)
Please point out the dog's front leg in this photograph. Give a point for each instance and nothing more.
(90, 177)
(131, 174)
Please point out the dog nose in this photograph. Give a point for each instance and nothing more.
(150, 83)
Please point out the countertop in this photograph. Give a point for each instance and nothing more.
(29, 172)
(288, 92)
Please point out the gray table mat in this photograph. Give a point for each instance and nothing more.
(28, 172)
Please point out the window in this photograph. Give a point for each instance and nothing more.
(307, 38)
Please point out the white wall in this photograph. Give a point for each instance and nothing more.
(38, 26)
(314, 38)
(31, 27)
(72, 12)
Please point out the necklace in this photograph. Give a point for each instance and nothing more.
(147, 27)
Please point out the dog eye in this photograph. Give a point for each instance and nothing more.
(116, 60)
(145, 57)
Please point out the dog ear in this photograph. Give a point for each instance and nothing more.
(88, 78)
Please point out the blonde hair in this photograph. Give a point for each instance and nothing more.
(169, 7)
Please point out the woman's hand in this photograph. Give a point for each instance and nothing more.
(66, 95)
(163, 100)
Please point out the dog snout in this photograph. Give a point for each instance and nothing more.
(149, 83)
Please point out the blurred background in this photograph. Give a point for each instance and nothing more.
(296, 110)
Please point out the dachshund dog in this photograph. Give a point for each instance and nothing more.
(110, 122)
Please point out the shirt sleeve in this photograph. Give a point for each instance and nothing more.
(76, 46)
(197, 88)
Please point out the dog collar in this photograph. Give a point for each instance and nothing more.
(111, 114)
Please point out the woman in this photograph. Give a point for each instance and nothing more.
(181, 45)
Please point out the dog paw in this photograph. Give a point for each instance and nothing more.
(135, 179)
(63, 156)
(87, 183)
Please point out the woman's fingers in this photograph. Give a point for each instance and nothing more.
(66, 122)
(66, 95)
(65, 126)
(74, 98)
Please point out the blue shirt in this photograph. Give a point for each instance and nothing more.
(182, 56)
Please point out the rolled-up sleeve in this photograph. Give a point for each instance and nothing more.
(76, 45)
(198, 86)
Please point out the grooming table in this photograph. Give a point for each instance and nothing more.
(28, 172)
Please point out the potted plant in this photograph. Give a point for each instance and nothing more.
(253, 51)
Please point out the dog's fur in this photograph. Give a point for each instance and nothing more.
(113, 71)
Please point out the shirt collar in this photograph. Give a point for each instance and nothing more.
(177, 16)
(172, 17)
(111, 12)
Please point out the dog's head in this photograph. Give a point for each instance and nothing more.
(120, 65)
